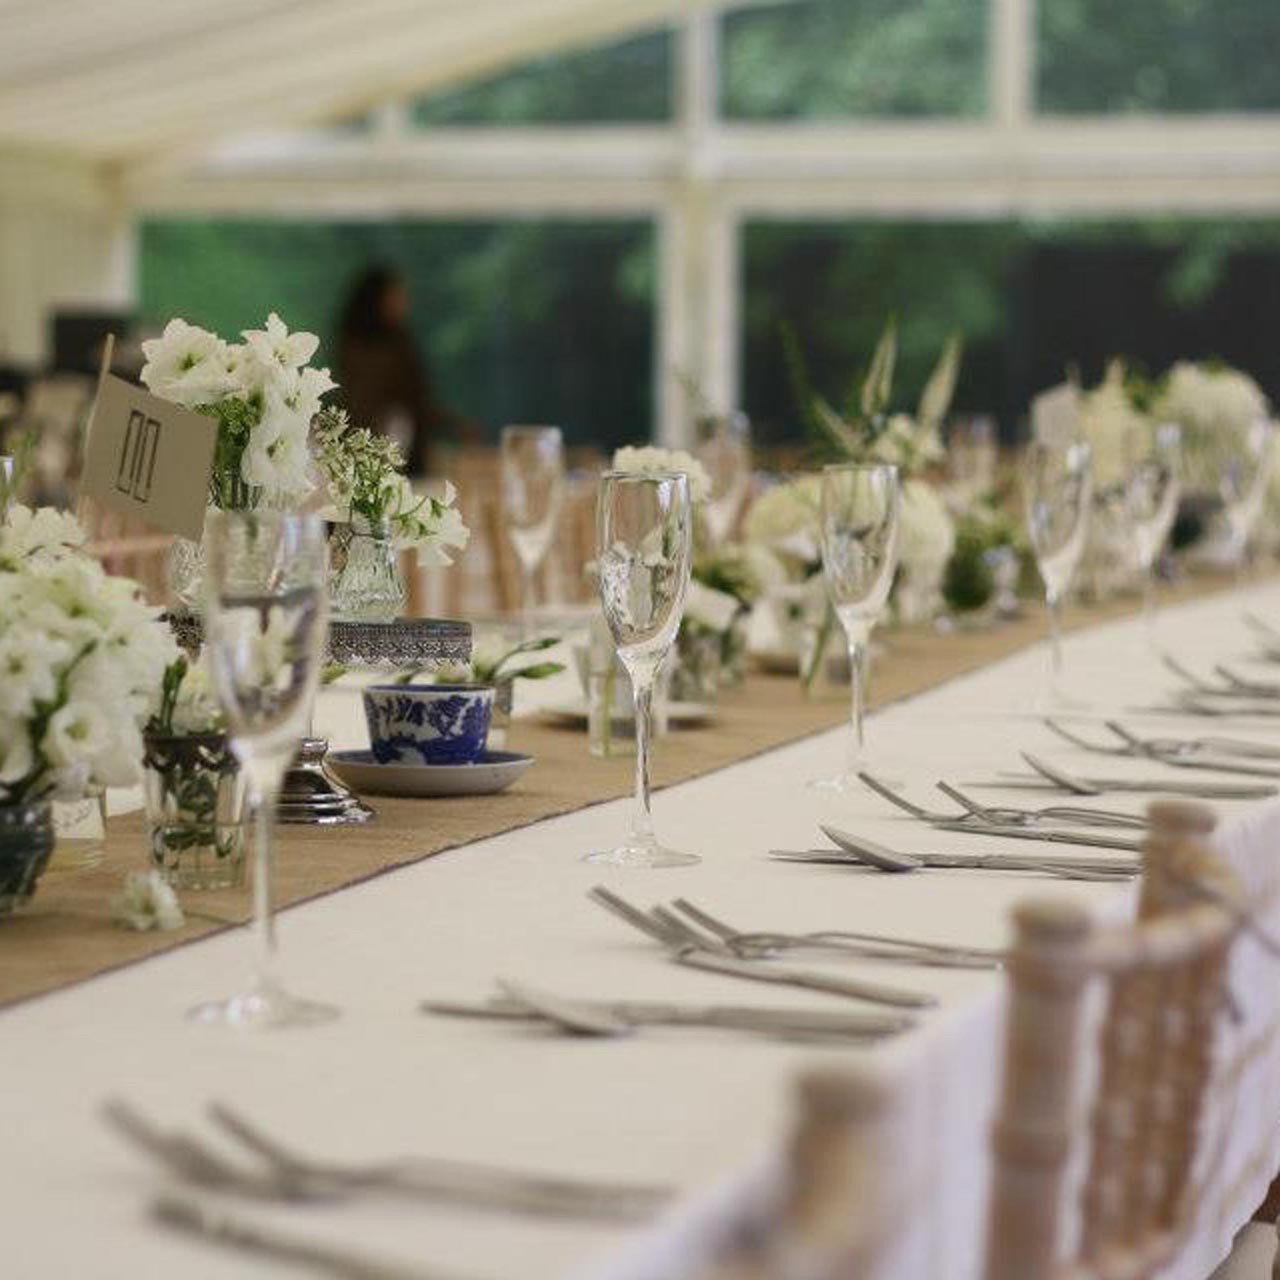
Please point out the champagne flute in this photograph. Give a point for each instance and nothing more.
(1058, 479)
(1242, 485)
(532, 471)
(724, 449)
(644, 527)
(266, 618)
(1153, 491)
(860, 521)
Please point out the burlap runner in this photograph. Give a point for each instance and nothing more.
(66, 935)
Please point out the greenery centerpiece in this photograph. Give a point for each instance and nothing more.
(263, 394)
(377, 514)
(193, 786)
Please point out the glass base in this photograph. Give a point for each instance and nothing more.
(841, 782)
(634, 854)
(265, 1006)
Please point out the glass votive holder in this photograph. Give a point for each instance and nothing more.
(194, 791)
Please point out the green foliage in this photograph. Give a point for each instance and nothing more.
(482, 294)
(834, 58)
(174, 674)
(1157, 55)
(22, 450)
(627, 82)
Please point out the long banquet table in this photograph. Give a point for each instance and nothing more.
(696, 1110)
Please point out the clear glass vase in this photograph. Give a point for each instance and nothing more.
(186, 571)
(195, 798)
(26, 841)
(695, 669)
(364, 582)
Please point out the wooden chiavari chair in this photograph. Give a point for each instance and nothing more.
(1153, 1108)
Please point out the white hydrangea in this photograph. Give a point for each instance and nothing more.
(648, 459)
(1214, 407)
(80, 655)
(926, 533)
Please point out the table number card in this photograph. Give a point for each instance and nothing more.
(149, 457)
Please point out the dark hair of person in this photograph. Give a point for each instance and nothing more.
(362, 313)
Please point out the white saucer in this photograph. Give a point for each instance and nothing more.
(494, 771)
(680, 715)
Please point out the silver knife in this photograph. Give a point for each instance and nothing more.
(1048, 835)
(641, 1013)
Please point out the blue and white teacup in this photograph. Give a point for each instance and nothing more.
(428, 723)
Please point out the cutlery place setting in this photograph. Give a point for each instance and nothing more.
(1211, 754)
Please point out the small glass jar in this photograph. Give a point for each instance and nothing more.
(26, 841)
(500, 718)
(195, 798)
(364, 582)
(695, 669)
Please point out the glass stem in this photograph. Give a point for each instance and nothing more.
(527, 587)
(642, 815)
(1055, 637)
(1149, 603)
(264, 789)
(857, 678)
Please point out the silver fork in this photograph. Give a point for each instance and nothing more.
(202, 1222)
(876, 946)
(287, 1176)
(696, 949)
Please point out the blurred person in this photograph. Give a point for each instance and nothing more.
(383, 375)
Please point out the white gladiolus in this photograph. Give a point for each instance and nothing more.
(187, 365)
(649, 459)
(275, 345)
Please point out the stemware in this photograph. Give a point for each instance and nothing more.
(1242, 485)
(644, 525)
(266, 617)
(1058, 481)
(724, 449)
(859, 522)
(1153, 490)
(532, 470)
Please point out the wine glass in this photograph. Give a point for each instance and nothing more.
(724, 449)
(1242, 485)
(644, 527)
(532, 469)
(1058, 480)
(859, 521)
(1153, 490)
(266, 617)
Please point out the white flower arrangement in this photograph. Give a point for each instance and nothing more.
(649, 459)
(80, 658)
(785, 520)
(147, 901)
(1111, 425)
(1214, 406)
(263, 394)
(365, 484)
(186, 703)
(927, 533)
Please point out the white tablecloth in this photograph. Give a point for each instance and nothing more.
(686, 1108)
